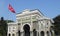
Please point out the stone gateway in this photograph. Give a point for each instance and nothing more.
(31, 23)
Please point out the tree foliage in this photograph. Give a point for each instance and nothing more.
(3, 26)
(57, 24)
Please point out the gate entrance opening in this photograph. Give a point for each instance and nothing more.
(26, 30)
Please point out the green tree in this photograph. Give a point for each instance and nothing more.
(57, 24)
(3, 26)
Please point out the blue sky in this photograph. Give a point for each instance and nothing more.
(49, 8)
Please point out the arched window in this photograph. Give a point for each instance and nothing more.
(13, 34)
(34, 32)
(47, 33)
(9, 34)
(42, 33)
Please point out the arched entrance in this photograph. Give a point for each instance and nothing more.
(9, 34)
(26, 30)
(34, 32)
(13, 34)
(19, 33)
(42, 33)
(47, 33)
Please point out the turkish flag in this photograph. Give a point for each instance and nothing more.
(11, 8)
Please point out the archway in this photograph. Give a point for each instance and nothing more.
(13, 34)
(26, 30)
(34, 32)
(9, 34)
(42, 33)
(19, 33)
(47, 33)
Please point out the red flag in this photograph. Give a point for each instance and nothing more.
(11, 8)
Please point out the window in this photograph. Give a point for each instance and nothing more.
(19, 23)
(47, 23)
(42, 25)
(13, 30)
(14, 27)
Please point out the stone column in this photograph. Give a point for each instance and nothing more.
(17, 34)
(52, 32)
(31, 28)
(45, 33)
(37, 33)
(11, 34)
(7, 34)
(49, 33)
(39, 28)
(31, 33)
(22, 33)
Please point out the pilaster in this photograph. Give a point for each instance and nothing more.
(45, 33)
(22, 33)
(31, 33)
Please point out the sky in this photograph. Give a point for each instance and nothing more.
(50, 8)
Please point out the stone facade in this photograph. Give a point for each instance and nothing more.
(30, 23)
